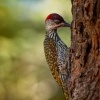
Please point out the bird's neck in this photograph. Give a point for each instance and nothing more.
(52, 34)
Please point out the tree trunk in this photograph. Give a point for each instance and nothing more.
(84, 78)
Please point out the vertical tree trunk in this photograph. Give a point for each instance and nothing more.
(84, 79)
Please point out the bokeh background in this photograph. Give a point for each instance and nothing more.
(24, 73)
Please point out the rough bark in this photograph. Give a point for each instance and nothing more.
(84, 79)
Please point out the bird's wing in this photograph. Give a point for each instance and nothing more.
(51, 57)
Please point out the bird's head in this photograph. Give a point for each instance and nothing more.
(55, 21)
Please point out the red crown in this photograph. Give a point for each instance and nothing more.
(54, 16)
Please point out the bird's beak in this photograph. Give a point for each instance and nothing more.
(66, 24)
(63, 24)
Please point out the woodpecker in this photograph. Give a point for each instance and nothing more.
(56, 50)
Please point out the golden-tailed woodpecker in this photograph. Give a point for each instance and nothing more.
(55, 49)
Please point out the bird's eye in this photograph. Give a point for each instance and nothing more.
(57, 21)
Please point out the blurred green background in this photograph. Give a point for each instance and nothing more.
(24, 73)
